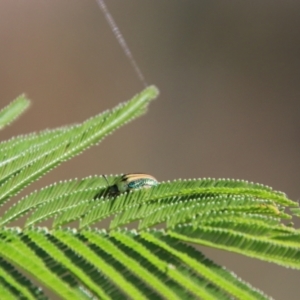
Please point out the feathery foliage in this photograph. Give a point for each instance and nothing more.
(12, 111)
(117, 263)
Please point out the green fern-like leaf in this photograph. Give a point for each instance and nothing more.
(119, 265)
(12, 111)
(21, 168)
(55, 199)
(146, 263)
(261, 247)
(16, 284)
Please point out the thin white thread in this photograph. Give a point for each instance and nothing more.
(121, 40)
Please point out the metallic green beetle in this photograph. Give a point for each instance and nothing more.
(129, 182)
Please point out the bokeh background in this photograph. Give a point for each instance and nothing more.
(228, 72)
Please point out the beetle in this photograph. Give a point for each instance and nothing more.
(129, 182)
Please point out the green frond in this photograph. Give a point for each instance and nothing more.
(180, 201)
(202, 209)
(106, 207)
(13, 110)
(165, 261)
(254, 225)
(7, 291)
(11, 149)
(17, 249)
(134, 265)
(201, 265)
(232, 215)
(16, 284)
(175, 203)
(255, 210)
(71, 261)
(20, 168)
(261, 247)
(55, 199)
(105, 263)
(295, 211)
(289, 238)
(224, 186)
(123, 264)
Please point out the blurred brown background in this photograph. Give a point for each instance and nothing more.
(228, 72)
